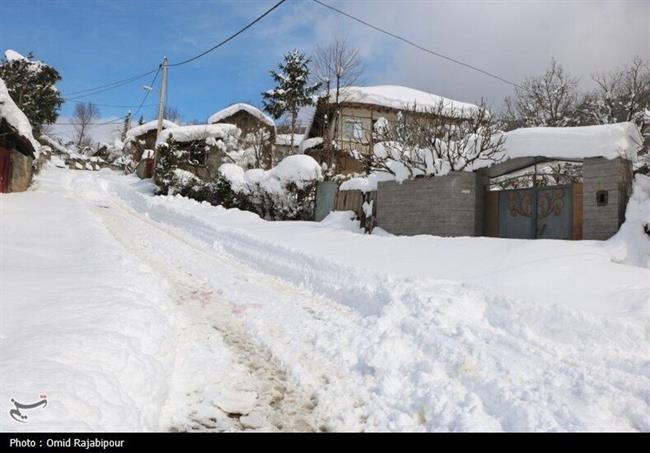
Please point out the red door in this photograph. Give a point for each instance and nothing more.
(5, 169)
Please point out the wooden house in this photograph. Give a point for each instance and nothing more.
(18, 148)
(257, 129)
(360, 108)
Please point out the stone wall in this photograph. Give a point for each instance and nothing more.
(21, 172)
(611, 179)
(449, 205)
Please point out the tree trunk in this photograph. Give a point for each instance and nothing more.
(293, 127)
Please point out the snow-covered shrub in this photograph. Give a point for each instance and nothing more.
(631, 245)
(285, 192)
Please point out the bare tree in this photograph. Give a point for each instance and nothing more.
(172, 114)
(621, 95)
(436, 141)
(337, 64)
(82, 118)
(549, 100)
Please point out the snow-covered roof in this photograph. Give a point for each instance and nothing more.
(231, 110)
(146, 127)
(401, 98)
(15, 117)
(607, 140)
(198, 132)
(285, 139)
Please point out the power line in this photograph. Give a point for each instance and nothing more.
(106, 87)
(110, 86)
(146, 95)
(231, 37)
(116, 106)
(417, 46)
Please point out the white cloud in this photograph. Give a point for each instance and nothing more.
(512, 39)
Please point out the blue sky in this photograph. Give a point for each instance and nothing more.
(94, 42)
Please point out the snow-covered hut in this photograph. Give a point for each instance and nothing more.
(257, 128)
(143, 137)
(18, 148)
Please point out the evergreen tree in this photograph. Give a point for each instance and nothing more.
(292, 90)
(31, 85)
(126, 126)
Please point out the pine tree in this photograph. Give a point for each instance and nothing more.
(292, 90)
(126, 126)
(31, 85)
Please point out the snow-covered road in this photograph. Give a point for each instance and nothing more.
(135, 312)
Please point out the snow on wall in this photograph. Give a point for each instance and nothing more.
(16, 118)
(231, 110)
(607, 140)
(401, 98)
(198, 132)
(146, 127)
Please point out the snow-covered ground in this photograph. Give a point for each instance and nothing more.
(135, 312)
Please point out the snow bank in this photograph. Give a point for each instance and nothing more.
(631, 245)
(146, 127)
(82, 321)
(231, 110)
(607, 140)
(198, 132)
(402, 98)
(16, 118)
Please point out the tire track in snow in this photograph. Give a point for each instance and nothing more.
(281, 405)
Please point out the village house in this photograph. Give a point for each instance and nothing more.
(140, 142)
(361, 108)
(258, 132)
(18, 148)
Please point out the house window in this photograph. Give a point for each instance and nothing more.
(354, 129)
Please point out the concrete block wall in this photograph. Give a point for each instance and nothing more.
(449, 205)
(615, 177)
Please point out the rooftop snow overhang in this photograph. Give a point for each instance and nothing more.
(10, 136)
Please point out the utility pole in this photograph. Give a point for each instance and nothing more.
(161, 110)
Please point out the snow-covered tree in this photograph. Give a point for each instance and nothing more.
(621, 95)
(549, 100)
(336, 66)
(31, 85)
(435, 141)
(292, 90)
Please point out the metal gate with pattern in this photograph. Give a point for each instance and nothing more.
(536, 213)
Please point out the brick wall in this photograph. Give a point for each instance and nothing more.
(613, 177)
(449, 205)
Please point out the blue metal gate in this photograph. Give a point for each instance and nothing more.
(536, 213)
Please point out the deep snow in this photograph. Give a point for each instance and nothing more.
(351, 331)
